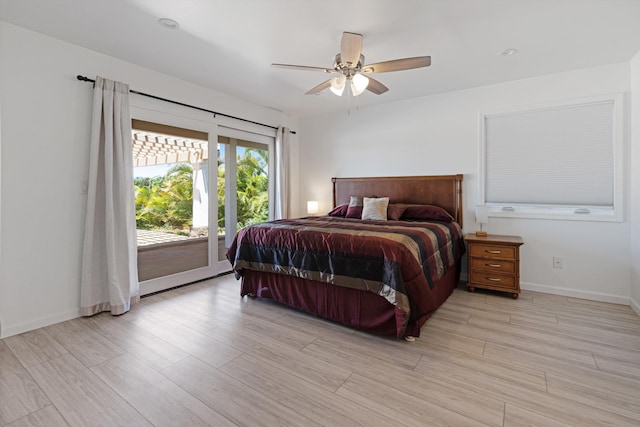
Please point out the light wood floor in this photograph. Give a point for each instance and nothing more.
(201, 355)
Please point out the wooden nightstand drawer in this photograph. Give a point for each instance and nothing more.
(499, 266)
(492, 251)
(494, 263)
(499, 280)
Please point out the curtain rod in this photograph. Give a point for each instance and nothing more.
(215, 113)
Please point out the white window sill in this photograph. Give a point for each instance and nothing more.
(556, 213)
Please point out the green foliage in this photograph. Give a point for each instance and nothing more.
(252, 183)
(165, 202)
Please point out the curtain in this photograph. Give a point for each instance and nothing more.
(282, 201)
(109, 280)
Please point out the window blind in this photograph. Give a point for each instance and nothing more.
(562, 156)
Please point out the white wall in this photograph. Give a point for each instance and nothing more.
(439, 135)
(635, 183)
(45, 133)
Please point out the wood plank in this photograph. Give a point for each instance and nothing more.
(473, 405)
(34, 347)
(19, 393)
(311, 369)
(515, 416)
(430, 335)
(558, 408)
(81, 397)
(159, 400)
(234, 400)
(442, 358)
(204, 347)
(400, 406)
(531, 339)
(154, 351)
(86, 345)
(321, 405)
(623, 400)
(629, 369)
(45, 417)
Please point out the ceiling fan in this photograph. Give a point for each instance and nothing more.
(350, 67)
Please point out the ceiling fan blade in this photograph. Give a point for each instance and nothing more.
(322, 86)
(375, 86)
(350, 48)
(304, 67)
(397, 65)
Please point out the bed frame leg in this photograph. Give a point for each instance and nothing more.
(409, 338)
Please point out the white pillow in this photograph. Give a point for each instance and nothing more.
(375, 208)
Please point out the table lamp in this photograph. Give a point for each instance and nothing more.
(312, 207)
(482, 217)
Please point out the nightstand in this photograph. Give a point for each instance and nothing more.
(494, 263)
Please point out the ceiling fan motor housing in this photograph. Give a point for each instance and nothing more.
(346, 68)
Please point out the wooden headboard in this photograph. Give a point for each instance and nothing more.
(439, 190)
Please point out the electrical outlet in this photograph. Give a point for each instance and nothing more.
(84, 186)
(557, 262)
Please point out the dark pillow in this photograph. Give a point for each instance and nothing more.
(354, 210)
(340, 210)
(395, 211)
(426, 213)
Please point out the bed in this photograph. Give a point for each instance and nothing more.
(384, 276)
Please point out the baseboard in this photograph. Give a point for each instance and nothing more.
(568, 292)
(9, 330)
(635, 306)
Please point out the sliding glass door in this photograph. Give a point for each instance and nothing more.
(196, 184)
(174, 209)
(244, 184)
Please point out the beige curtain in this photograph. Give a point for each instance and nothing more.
(109, 260)
(282, 201)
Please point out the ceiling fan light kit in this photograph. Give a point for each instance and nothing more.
(350, 67)
(358, 84)
(337, 84)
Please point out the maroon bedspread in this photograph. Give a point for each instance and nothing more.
(397, 260)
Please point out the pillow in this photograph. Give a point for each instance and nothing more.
(426, 213)
(340, 210)
(375, 208)
(354, 210)
(395, 211)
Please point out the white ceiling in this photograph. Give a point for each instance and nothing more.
(228, 45)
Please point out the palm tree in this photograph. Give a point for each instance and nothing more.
(178, 188)
(253, 187)
(165, 202)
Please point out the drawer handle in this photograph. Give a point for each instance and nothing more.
(493, 265)
(492, 252)
(492, 279)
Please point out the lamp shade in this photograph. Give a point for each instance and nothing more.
(312, 207)
(482, 214)
(358, 84)
(337, 84)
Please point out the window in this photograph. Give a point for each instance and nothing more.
(561, 161)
